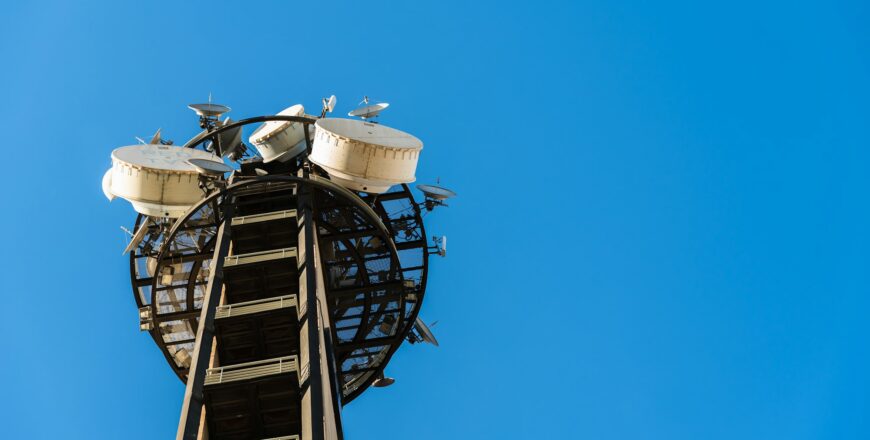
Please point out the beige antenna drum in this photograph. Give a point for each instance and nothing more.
(156, 179)
(363, 156)
(280, 140)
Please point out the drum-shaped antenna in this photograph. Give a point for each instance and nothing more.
(363, 156)
(156, 179)
(280, 140)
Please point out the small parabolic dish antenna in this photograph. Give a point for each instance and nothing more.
(436, 192)
(230, 142)
(383, 381)
(209, 110)
(369, 111)
(425, 334)
(208, 167)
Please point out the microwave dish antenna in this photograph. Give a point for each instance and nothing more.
(156, 139)
(209, 114)
(422, 333)
(435, 195)
(208, 167)
(369, 111)
(229, 142)
(209, 110)
(436, 192)
(383, 381)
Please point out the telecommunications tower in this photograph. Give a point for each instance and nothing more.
(277, 285)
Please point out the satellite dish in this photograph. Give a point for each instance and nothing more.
(436, 192)
(369, 111)
(383, 381)
(156, 138)
(425, 334)
(138, 236)
(209, 110)
(209, 167)
(230, 141)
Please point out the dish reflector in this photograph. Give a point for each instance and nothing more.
(209, 110)
(209, 167)
(230, 141)
(369, 111)
(436, 192)
(383, 381)
(424, 331)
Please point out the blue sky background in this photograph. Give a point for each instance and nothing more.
(661, 231)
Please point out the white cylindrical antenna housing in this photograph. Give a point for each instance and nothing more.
(363, 156)
(156, 179)
(280, 140)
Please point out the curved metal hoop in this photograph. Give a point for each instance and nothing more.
(206, 214)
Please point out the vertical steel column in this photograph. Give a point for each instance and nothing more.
(191, 409)
(315, 378)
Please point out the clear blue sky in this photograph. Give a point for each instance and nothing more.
(662, 228)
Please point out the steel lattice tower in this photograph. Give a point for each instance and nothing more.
(281, 295)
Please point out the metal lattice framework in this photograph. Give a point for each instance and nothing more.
(373, 260)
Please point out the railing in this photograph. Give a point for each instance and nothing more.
(265, 217)
(256, 306)
(257, 257)
(251, 370)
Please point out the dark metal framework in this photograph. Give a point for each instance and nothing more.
(373, 259)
